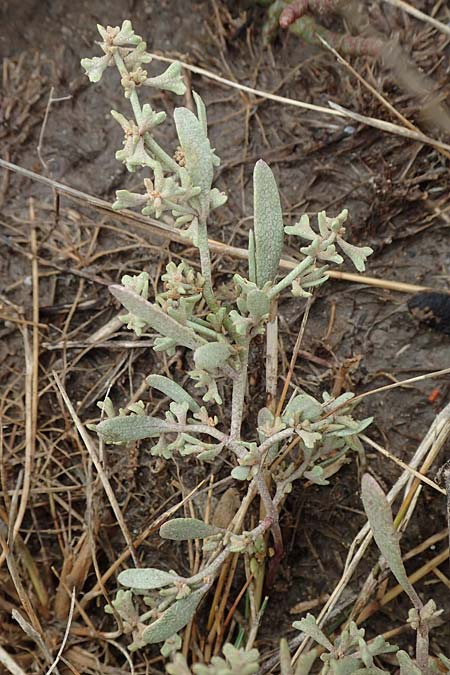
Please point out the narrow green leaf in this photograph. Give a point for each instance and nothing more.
(173, 390)
(146, 579)
(196, 147)
(131, 428)
(379, 514)
(268, 224)
(155, 317)
(181, 529)
(173, 619)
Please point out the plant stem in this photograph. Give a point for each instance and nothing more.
(205, 264)
(272, 355)
(289, 278)
(275, 438)
(161, 154)
(422, 647)
(272, 513)
(238, 396)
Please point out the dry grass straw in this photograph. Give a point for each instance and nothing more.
(418, 14)
(172, 234)
(99, 468)
(334, 110)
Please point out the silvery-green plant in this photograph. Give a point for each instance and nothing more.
(189, 313)
(351, 653)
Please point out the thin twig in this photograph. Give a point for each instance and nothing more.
(420, 476)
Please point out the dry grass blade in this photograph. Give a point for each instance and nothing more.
(65, 637)
(419, 476)
(103, 477)
(164, 230)
(8, 662)
(34, 635)
(417, 14)
(377, 94)
(31, 383)
(390, 128)
(334, 109)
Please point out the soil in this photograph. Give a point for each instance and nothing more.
(396, 190)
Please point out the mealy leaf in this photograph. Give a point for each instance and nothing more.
(285, 658)
(379, 514)
(131, 428)
(170, 80)
(251, 257)
(240, 472)
(196, 147)
(268, 224)
(258, 304)
(176, 617)
(173, 390)
(309, 626)
(211, 356)
(236, 662)
(302, 407)
(306, 661)
(146, 578)
(155, 317)
(407, 665)
(181, 529)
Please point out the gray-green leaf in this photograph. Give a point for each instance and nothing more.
(181, 529)
(132, 428)
(196, 147)
(407, 665)
(173, 390)
(379, 513)
(155, 317)
(212, 355)
(309, 626)
(170, 80)
(302, 407)
(173, 619)
(268, 224)
(306, 661)
(146, 578)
